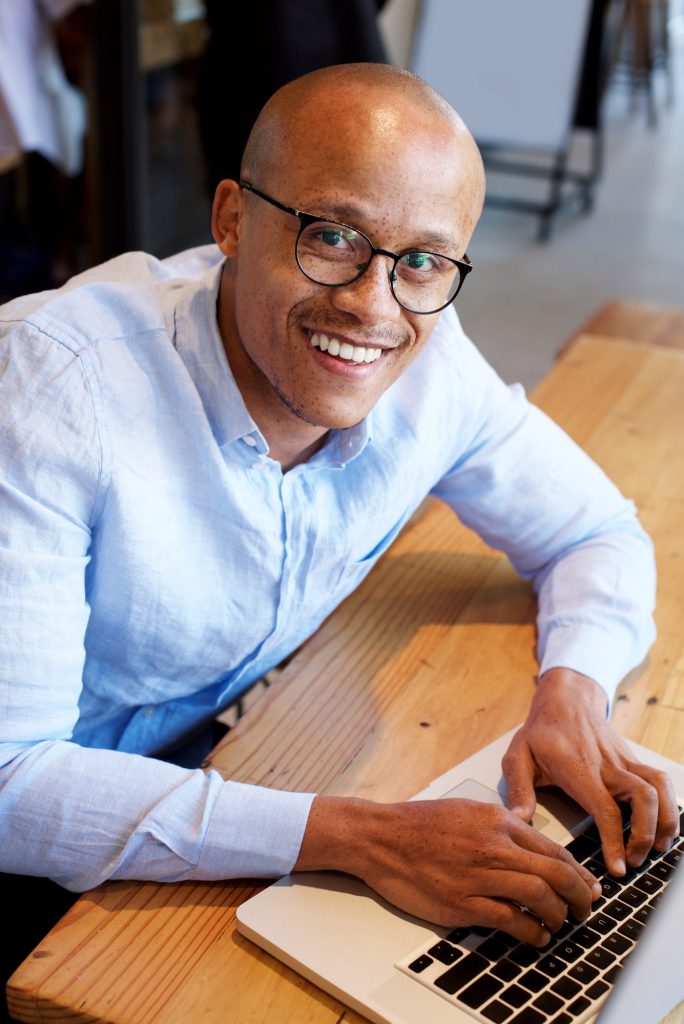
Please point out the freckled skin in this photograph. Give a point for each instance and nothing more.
(368, 147)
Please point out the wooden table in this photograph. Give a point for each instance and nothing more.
(440, 614)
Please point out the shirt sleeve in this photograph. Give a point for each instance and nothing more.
(74, 814)
(530, 491)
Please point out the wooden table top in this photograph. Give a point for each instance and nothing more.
(377, 681)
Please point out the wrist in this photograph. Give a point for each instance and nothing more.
(340, 834)
(566, 687)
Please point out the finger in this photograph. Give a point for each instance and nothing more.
(667, 825)
(643, 798)
(527, 891)
(655, 816)
(574, 883)
(608, 820)
(519, 771)
(508, 917)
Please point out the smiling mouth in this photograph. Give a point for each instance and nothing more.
(344, 350)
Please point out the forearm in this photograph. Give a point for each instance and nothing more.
(81, 816)
(596, 604)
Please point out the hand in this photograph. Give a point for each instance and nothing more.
(567, 742)
(453, 862)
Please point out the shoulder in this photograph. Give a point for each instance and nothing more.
(123, 297)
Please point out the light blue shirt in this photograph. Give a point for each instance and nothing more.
(155, 562)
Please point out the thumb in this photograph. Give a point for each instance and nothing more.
(519, 773)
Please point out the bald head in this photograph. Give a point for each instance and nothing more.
(347, 108)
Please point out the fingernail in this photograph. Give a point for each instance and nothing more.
(596, 891)
(619, 867)
(545, 937)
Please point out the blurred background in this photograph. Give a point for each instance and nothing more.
(118, 117)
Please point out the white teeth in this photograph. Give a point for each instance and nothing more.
(344, 350)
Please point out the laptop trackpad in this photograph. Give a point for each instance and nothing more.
(471, 789)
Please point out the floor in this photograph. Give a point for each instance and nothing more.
(526, 297)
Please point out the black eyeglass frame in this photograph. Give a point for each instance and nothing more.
(307, 219)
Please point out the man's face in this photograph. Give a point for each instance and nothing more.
(405, 186)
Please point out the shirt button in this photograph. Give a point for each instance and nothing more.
(250, 441)
(149, 712)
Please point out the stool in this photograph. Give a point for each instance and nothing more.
(643, 32)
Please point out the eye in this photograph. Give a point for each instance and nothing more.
(334, 235)
(418, 262)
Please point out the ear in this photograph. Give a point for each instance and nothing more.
(226, 215)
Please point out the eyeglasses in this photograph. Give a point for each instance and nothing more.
(332, 253)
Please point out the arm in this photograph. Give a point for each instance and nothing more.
(530, 491)
(76, 814)
(567, 741)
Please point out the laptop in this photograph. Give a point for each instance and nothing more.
(621, 966)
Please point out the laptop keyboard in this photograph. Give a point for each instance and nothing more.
(496, 978)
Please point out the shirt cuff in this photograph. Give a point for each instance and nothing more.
(589, 651)
(254, 832)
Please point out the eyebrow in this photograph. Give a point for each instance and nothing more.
(350, 214)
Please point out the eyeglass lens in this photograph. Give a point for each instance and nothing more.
(333, 254)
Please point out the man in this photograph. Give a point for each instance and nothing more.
(196, 471)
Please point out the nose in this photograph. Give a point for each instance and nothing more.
(370, 296)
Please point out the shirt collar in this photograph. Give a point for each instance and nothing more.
(190, 313)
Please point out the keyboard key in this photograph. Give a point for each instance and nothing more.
(597, 867)
(529, 1016)
(497, 1012)
(481, 991)
(642, 914)
(493, 949)
(524, 955)
(462, 972)
(609, 887)
(506, 970)
(648, 884)
(661, 869)
(612, 975)
(617, 910)
(420, 964)
(584, 973)
(567, 988)
(568, 951)
(551, 965)
(533, 980)
(579, 1006)
(583, 846)
(597, 989)
(601, 958)
(515, 996)
(548, 1003)
(458, 934)
(617, 944)
(586, 937)
(445, 952)
(631, 929)
(674, 856)
(562, 1018)
(601, 923)
(565, 929)
(633, 897)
